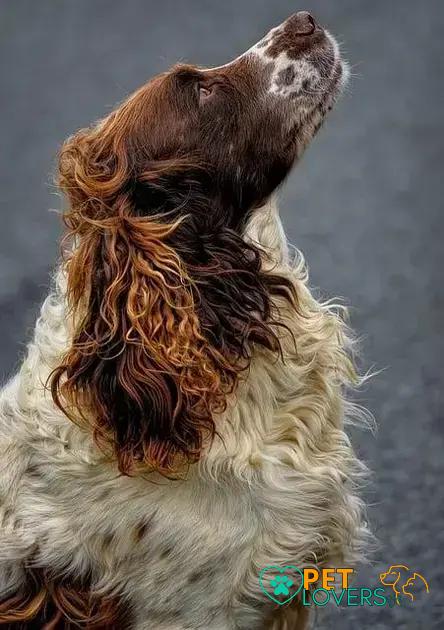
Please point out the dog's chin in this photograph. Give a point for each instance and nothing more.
(335, 84)
(312, 109)
(320, 99)
(345, 75)
(340, 73)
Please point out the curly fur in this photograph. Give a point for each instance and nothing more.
(157, 337)
(178, 421)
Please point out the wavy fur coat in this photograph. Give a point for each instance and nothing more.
(275, 487)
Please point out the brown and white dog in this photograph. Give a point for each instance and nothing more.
(178, 422)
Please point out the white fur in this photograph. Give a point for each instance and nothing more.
(304, 69)
(279, 488)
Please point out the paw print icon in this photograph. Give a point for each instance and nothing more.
(281, 584)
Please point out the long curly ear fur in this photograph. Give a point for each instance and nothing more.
(166, 307)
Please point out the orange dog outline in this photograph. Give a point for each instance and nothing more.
(395, 570)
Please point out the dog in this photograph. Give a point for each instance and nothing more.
(178, 421)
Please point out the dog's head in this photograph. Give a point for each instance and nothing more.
(168, 298)
(392, 576)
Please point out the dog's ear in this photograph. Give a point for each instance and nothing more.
(139, 370)
(167, 298)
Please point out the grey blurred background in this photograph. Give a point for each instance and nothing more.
(365, 206)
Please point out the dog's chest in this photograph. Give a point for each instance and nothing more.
(168, 545)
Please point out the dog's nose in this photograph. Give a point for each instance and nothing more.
(303, 23)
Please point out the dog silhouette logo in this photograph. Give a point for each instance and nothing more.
(403, 581)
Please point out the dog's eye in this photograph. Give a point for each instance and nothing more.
(205, 92)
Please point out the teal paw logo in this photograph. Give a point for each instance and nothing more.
(281, 584)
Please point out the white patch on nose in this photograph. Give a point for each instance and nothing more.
(299, 71)
(288, 76)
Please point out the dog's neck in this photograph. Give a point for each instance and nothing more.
(264, 229)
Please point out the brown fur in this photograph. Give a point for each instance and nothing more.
(165, 309)
(49, 603)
